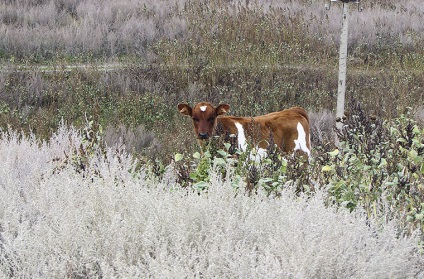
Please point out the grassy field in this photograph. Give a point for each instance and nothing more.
(87, 82)
(256, 56)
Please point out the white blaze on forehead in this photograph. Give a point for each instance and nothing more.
(203, 108)
(300, 143)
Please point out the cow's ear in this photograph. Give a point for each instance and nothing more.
(222, 109)
(184, 109)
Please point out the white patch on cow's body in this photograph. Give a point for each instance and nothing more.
(241, 137)
(257, 154)
(300, 143)
(203, 108)
(262, 153)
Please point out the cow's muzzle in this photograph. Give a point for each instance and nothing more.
(203, 136)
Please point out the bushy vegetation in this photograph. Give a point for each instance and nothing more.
(131, 196)
(70, 207)
(378, 167)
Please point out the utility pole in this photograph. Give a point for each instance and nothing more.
(342, 57)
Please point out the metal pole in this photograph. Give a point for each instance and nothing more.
(342, 67)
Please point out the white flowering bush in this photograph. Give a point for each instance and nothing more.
(110, 220)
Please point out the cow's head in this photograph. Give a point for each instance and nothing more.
(204, 117)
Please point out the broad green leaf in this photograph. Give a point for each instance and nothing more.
(178, 157)
(201, 185)
(222, 153)
(383, 163)
(196, 155)
(326, 168)
(334, 153)
(220, 161)
(413, 154)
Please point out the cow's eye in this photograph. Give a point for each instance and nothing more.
(212, 119)
(195, 119)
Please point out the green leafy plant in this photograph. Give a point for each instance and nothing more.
(378, 162)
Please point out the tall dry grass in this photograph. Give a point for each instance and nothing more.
(258, 56)
(45, 29)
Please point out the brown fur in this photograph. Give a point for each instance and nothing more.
(281, 125)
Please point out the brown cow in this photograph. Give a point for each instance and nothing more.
(288, 128)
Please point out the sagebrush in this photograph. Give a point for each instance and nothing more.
(111, 220)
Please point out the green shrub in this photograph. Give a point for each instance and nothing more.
(379, 166)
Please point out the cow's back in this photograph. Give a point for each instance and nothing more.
(286, 127)
(300, 111)
(281, 128)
